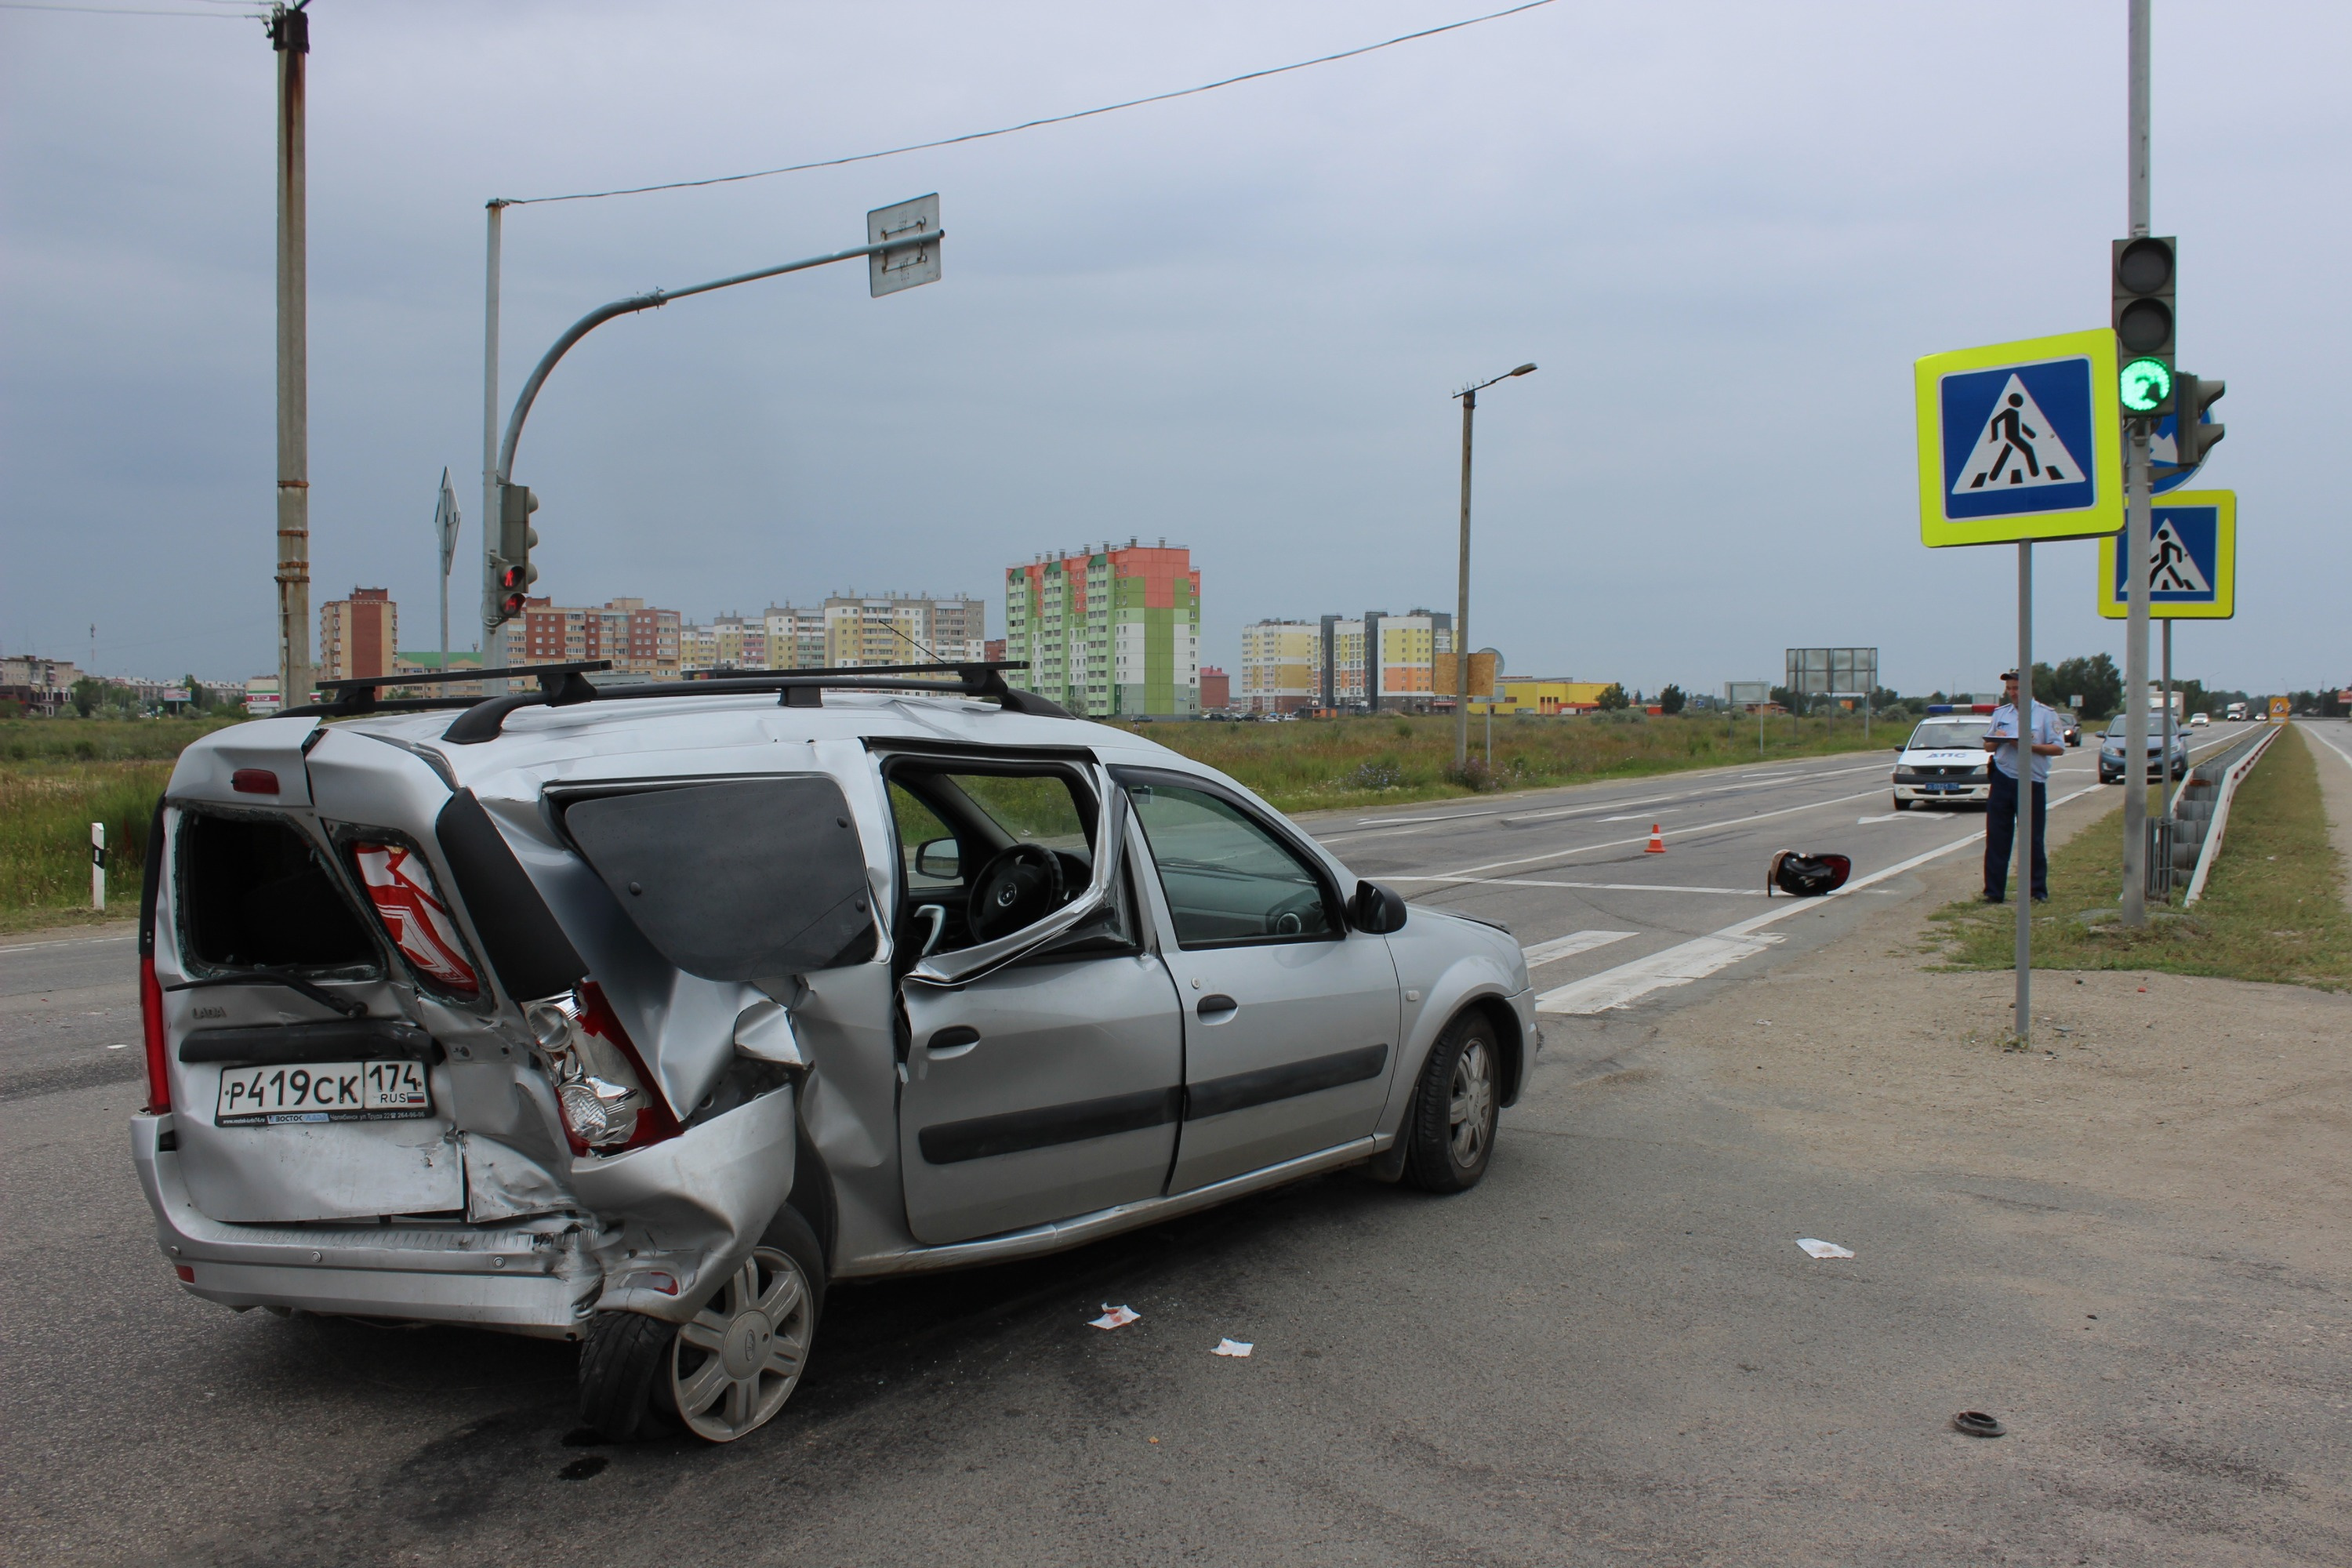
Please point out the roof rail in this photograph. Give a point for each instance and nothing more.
(357, 695)
(485, 718)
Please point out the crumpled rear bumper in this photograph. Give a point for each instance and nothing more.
(536, 1276)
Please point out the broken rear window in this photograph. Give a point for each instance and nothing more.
(254, 895)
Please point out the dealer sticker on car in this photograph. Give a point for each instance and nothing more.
(322, 1091)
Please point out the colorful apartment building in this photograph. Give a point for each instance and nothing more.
(1281, 665)
(903, 629)
(358, 637)
(1108, 632)
(639, 639)
(1382, 663)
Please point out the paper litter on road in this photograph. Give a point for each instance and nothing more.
(1815, 1247)
(1114, 1317)
(1233, 1347)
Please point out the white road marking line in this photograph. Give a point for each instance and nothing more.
(1471, 873)
(77, 941)
(1702, 956)
(2332, 746)
(1571, 944)
(1911, 816)
(1593, 887)
(1396, 826)
(1637, 816)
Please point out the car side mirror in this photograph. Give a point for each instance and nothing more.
(939, 859)
(1376, 910)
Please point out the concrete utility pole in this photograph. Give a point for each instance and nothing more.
(2135, 530)
(290, 36)
(1469, 397)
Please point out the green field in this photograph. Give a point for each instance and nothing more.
(2272, 909)
(1317, 764)
(57, 777)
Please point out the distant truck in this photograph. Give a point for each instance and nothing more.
(2235, 714)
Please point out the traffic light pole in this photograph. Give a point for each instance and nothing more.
(500, 556)
(2135, 525)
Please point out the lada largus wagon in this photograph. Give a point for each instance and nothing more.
(640, 1014)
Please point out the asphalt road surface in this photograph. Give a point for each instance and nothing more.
(1592, 1358)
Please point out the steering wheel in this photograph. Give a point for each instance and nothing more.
(1019, 886)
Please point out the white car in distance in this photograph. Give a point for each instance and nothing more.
(1944, 763)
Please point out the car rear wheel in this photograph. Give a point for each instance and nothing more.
(727, 1371)
(1449, 1131)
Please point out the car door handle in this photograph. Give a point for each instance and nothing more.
(1216, 1007)
(955, 1040)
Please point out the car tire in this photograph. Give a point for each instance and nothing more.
(1902, 805)
(1450, 1130)
(726, 1371)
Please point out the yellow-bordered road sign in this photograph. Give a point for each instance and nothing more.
(2020, 441)
(2192, 559)
(2279, 706)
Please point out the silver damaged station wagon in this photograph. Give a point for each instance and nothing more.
(638, 1015)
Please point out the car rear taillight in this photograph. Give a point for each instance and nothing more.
(151, 991)
(600, 1082)
(151, 1019)
(253, 780)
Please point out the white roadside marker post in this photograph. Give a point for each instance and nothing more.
(98, 867)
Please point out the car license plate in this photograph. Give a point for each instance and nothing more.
(321, 1091)
(1942, 789)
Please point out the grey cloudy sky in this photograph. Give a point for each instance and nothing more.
(1724, 230)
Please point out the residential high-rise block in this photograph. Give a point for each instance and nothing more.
(1281, 662)
(1111, 633)
(358, 637)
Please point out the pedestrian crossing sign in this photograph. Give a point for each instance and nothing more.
(2192, 559)
(2019, 441)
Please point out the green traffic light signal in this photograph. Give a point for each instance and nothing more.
(2146, 385)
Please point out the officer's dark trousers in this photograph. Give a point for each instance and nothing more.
(2001, 836)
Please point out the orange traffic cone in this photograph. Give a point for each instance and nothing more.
(1657, 845)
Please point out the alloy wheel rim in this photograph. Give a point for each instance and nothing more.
(738, 1360)
(1471, 1105)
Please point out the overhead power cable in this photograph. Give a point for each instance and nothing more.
(1033, 124)
(130, 11)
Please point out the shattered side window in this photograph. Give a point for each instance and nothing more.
(254, 894)
(400, 885)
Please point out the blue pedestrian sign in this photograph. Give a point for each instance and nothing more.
(2192, 560)
(2019, 441)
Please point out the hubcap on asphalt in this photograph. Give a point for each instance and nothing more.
(739, 1359)
(1472, 1104)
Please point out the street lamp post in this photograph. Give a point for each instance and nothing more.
(1469, 397)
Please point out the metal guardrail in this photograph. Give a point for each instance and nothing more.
(2176, 844)
(2227, 771)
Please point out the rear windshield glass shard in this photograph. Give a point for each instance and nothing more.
(743, 880)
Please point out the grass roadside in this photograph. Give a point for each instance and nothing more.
(57, 777)
(1337, 764)
(2272, 908)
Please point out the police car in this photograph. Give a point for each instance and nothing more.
(1944, 763)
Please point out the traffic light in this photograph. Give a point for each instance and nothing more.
(511, 573)
(2144, 272)
(2191, 397)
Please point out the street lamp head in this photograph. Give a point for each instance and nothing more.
(1523, 369)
